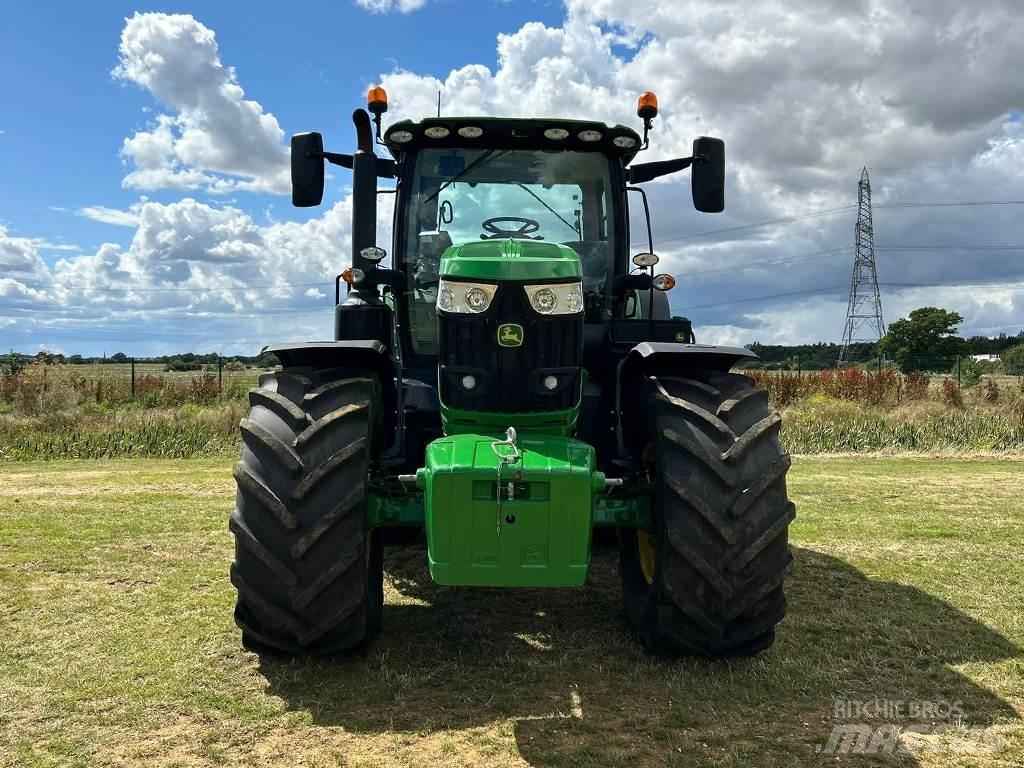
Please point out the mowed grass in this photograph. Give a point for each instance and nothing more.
(117, 646)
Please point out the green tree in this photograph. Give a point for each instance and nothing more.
(1013, 360)
(970, 371)
(16, 363)
(49, 358)
(924, 341)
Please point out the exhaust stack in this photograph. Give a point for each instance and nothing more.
(364, 206)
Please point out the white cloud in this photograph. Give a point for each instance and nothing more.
(105, 215)
(804, 93)
(191, 271)
(24, 276)
(20, 255)
(215, 139)
(387, 6)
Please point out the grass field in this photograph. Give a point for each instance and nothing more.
(117, 645)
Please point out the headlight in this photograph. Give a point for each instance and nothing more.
(464, 298)
(556, 299)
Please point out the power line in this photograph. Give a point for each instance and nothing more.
(135, 312)
(745, 300)
(960, 167)
(988, 284)
(239, 287)
(827, 289)
(767, 297)
(832, 211)
(949, 247)
(783, 220)
(803, 257)
(817, 255)
(829, 253)
(952, 204)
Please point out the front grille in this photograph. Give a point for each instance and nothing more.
(509, 378)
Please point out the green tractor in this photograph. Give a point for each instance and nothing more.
(511, 383)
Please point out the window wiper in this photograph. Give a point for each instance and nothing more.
(484, 158)
(537, 197)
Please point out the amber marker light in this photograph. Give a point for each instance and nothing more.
(647, 105)
(664, 282)
(377, 100)
(352, 275)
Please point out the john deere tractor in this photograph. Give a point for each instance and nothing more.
(513, 381)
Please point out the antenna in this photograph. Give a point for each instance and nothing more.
(439, 103)
(864, 322)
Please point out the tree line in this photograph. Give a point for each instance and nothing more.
(926, 340)
(187, 361)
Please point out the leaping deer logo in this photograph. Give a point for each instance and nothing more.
(510, 335)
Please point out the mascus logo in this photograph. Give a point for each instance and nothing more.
(510, 335)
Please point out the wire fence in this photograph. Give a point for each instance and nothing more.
(882, 382)
(963, 367)
(38, 386)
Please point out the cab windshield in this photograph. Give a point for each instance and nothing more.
(468, 195)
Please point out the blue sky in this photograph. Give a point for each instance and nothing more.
(143, 200)
(309, 64)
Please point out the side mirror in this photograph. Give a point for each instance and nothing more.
(641, 281)
(707, 175)
(630, 307)
(307, 169)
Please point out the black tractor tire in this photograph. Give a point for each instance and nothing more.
(309, 575)
(720, 550)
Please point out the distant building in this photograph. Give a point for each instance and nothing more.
(985, 358)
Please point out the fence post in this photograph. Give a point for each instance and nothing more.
(799, 368)
(133, 378)
(958, 371)
(220, 375)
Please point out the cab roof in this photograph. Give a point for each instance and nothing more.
(513, 133)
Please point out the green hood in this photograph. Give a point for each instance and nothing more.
(492, 260)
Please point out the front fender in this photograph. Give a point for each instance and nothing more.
(656, 357)
(366, 354)
(359, 355)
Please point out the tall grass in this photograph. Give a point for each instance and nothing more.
(41, 388)
(886, 385)
(184, 432)
(47, 415)
(819, 424)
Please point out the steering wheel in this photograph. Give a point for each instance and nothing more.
(526, 228)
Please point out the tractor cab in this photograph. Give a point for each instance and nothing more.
(478, 180)
(510, 380)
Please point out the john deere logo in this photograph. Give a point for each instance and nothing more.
(510, 335)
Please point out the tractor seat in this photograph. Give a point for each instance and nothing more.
(595, 256)
(433, 243)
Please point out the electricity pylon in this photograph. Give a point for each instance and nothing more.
(864, 322)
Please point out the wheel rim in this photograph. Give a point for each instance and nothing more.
(646, 552)
(647, 555)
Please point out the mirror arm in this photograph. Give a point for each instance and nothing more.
(631, 282)
(334, 158)
(638, 174)
(386, 169)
